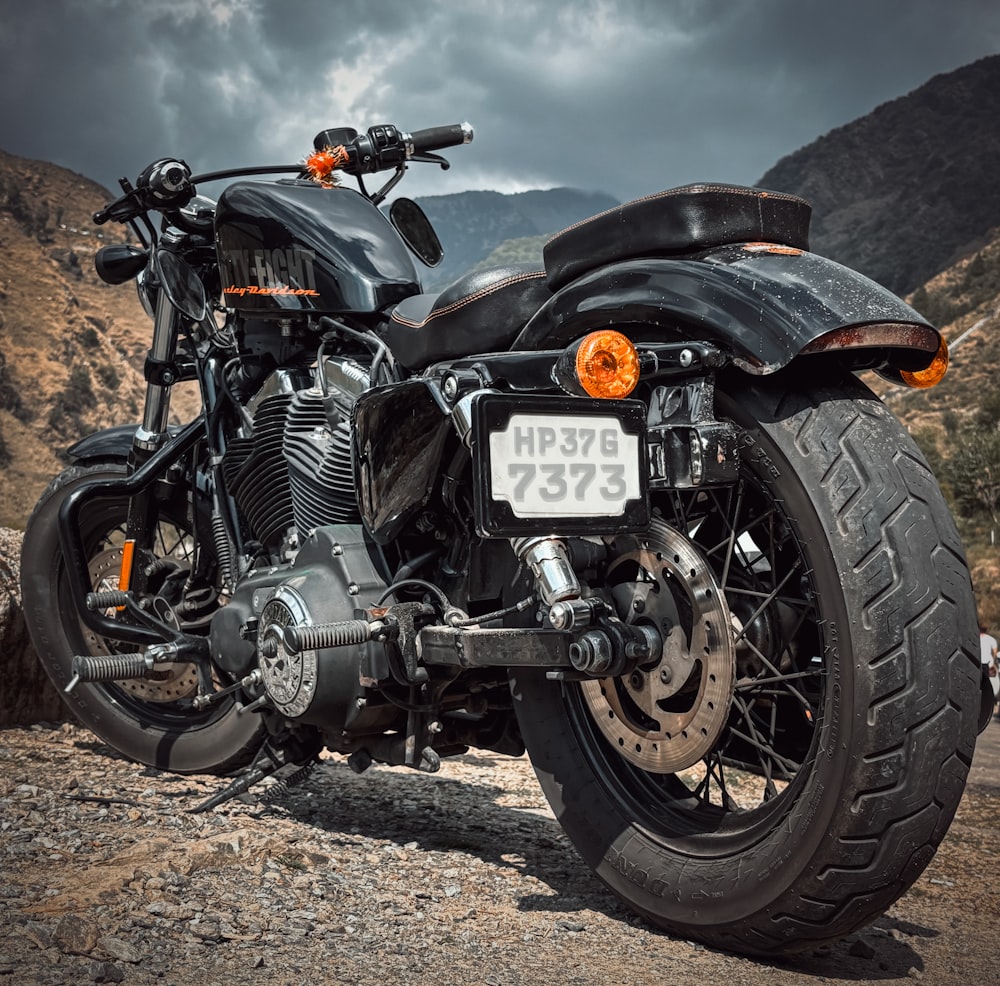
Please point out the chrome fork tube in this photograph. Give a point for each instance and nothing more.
(152, 433)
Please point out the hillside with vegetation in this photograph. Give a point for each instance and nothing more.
(957, 423)
(908, 190)
(71, 347)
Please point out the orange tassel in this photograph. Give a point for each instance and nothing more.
(322, 164)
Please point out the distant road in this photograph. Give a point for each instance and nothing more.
(986, 763)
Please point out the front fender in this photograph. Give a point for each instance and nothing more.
(763, 303)
(111, 444)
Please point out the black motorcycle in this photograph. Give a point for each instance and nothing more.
(630, 510)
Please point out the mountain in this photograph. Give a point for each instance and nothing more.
(471, 225)
(907, 194)
(906, 191)
(71, 347)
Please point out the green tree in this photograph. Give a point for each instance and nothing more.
(988, 411)
(973, 471)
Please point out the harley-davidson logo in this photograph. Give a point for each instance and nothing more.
(284, 271)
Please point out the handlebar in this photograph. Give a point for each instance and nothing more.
(167, 185)
(438, 138)
(384, 147)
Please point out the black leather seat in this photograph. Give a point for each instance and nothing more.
(679, 220)
(484, 311)
(481, 312)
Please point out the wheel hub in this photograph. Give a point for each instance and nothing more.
(166, 682)
(668, 713)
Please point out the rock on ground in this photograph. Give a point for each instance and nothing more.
(390, 877)
(26, 695)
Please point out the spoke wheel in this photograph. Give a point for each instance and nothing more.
(851, 698)
(151, 720)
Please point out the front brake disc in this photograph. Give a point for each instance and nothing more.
(166, 682)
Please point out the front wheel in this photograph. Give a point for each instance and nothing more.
(151, 720)
(799, 804)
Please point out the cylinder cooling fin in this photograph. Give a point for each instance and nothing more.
(317, 451)
(255, 472)
(296, 467)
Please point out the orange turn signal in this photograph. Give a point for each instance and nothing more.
(125, 573)
(931, 375)
(607, 364)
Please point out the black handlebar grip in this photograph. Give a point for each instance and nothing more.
(437, 138)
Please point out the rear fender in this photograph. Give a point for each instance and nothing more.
(763, 303)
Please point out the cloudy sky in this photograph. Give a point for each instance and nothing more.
(622, 96)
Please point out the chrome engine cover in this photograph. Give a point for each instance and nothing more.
(289, 678)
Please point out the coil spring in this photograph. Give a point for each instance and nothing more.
(223, 550)
(294, 779)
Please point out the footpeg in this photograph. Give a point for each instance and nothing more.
(118, 667)
(113, 599)
(300, 638)
(109, 667)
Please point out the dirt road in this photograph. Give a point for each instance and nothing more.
(391, 878)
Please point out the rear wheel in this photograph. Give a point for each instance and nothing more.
(803, 801)
(151, 720)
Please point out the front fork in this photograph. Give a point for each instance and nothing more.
(150, 436)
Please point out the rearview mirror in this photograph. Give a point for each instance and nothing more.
(416, 230)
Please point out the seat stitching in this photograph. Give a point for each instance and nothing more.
(462, 302)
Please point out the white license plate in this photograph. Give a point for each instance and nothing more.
(548, 465)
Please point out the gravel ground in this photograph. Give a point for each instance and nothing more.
(393, 877)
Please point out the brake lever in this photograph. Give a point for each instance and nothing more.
(121, 210)
(425, 157)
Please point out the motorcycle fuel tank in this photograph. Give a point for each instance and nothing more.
(295, 247)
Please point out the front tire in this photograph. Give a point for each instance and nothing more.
(152, 722)
(854, 710)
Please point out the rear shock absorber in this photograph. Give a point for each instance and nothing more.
(550, 564)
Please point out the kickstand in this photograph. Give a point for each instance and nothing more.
(265, 764)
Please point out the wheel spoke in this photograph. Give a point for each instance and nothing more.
(753, 551)
(759, 743)
(747, 543)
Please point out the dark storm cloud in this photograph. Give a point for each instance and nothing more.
(628, 96)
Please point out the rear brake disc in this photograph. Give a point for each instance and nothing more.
(667, 714)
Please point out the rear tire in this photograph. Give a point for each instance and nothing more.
(152, 723)
(851, 732)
